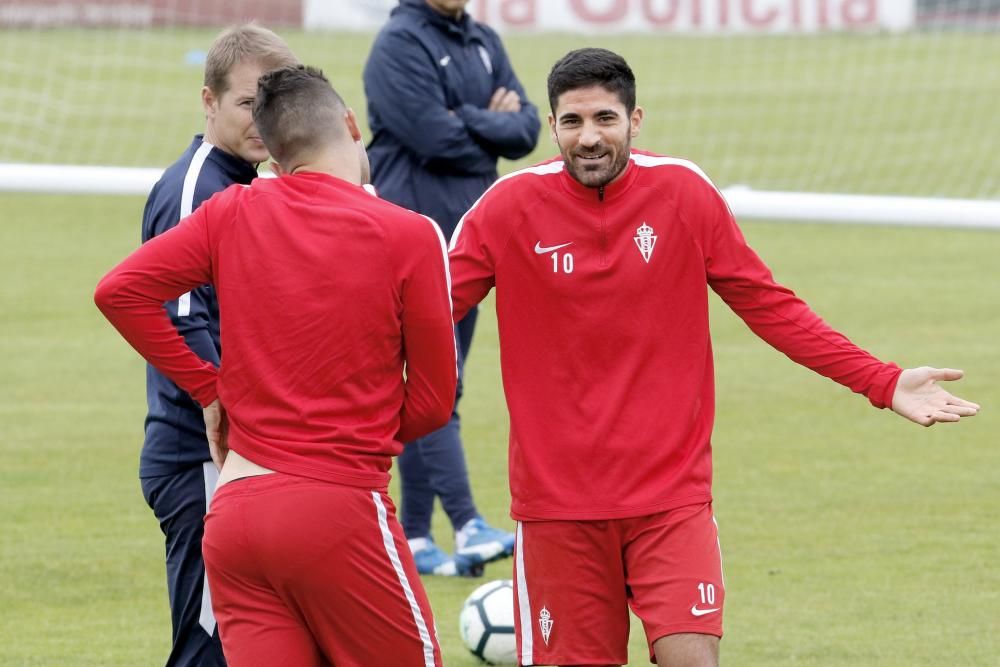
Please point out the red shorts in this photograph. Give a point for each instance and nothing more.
(575, 581)
(304, 573)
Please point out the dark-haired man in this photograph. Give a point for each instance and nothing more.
(175, 467)
(600, 259)
(336, 322)
(444, 104)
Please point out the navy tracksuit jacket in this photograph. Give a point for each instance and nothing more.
(175, 431)
(175, 466)
(434, 145)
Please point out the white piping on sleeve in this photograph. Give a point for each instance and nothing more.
(187, 205)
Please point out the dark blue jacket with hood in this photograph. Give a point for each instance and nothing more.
(429, 79)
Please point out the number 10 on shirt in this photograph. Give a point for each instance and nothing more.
(566, 264)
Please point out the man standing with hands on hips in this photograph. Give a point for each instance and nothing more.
(336, 322)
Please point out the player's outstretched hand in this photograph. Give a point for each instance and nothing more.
(216, 428)
(920, 399)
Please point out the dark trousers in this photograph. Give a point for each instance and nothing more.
(434, 466)
(179, 503)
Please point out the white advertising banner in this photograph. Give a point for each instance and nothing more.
(367, 15)
(652, 16)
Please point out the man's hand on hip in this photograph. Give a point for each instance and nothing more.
(217, 430)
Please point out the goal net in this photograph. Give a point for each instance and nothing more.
(892, 98)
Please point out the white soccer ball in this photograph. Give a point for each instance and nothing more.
(487, 623)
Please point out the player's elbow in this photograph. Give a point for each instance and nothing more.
(437, 414)
(433, 421)
(440, 416)
(104, 293)
(426, 416)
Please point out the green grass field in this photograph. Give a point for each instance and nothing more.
(850, 537)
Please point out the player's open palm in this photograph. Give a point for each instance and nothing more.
(216, 431)
(919, 398)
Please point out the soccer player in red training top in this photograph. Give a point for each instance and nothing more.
(326, 296)
(600, 260)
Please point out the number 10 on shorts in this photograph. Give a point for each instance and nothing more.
(707, 592)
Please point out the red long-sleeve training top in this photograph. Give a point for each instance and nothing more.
(326, 295)
(602, 306)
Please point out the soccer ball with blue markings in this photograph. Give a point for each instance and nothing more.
(487, 623)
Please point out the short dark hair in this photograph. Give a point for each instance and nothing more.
(296, 110)
(584, 68)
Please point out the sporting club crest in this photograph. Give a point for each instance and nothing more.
(645, 239)
(545, 623)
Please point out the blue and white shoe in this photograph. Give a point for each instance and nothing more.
(479, 540)
(432, 559)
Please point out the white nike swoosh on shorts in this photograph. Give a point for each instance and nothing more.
(701, 612)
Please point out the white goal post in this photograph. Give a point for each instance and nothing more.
(829, 110)
(746, 203)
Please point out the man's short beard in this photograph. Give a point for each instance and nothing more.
(617, 168)
(613, 172)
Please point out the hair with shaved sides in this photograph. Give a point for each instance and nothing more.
(585, 68)
(244, 43)
(297, 111)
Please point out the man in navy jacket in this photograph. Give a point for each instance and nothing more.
(443, 105)
(175, 468)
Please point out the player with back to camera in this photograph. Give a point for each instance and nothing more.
(601, 259)
(444, 104)
(175, 468)
(339, 347)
